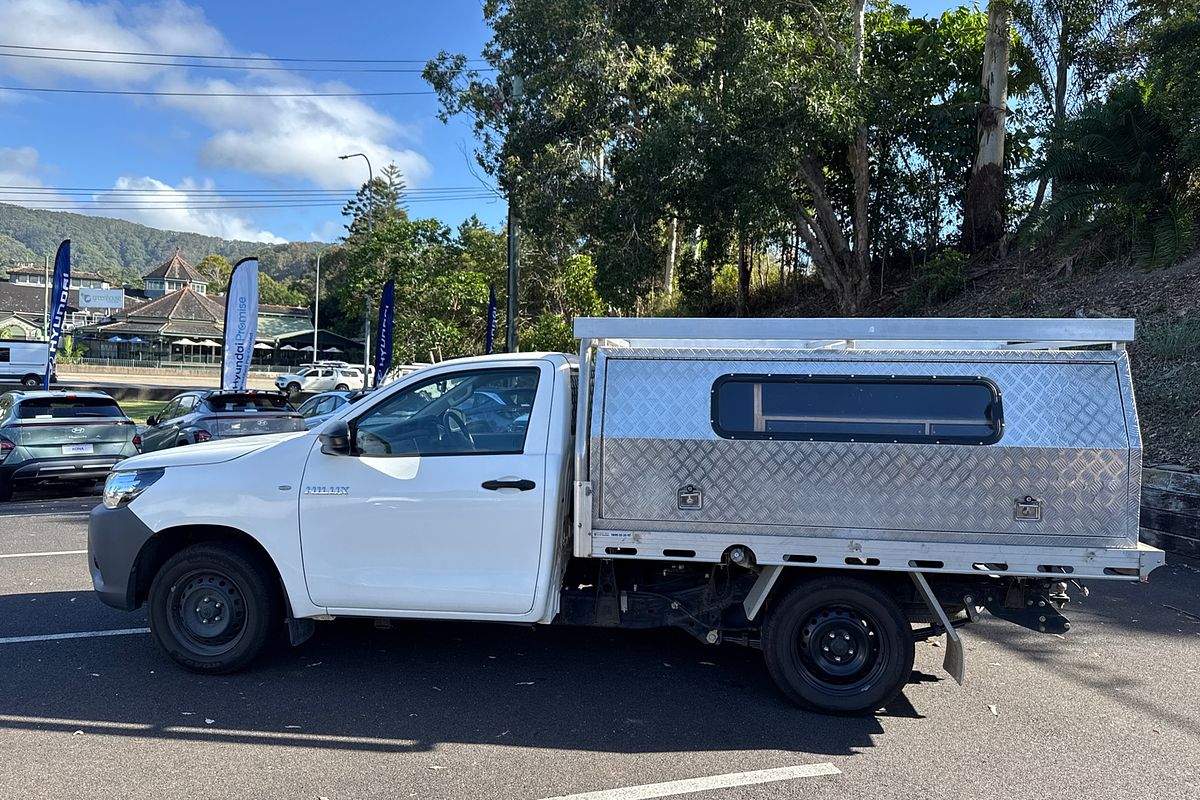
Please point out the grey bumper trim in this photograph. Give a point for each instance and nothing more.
(115, 538)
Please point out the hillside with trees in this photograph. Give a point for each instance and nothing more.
(125, 250)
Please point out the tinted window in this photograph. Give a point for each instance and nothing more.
(68, 407)
(5, 355)
(844, 408)
(247, 402)
(443, 416)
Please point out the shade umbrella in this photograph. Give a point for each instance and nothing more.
(331, 350)
(307, 349)
(137, 340)
(262, 346)
(116, 339)
(184, 341)
(287, 347)
(209, 343)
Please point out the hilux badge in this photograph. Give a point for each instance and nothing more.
(327, 490)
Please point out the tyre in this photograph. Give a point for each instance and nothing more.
(838, 645)
(293, 388)
(214, 607)
(341, 387)
(31, 381)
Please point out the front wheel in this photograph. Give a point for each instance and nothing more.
(838, 645)
(341, 387)
(31, 381)
(214, 608)
(293, 388)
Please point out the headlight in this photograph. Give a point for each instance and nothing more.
(122, 487)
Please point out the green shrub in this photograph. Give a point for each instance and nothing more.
(940, 278)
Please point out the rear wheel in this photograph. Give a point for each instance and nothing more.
(341, 387)
(838, 645)
(214, 607)
(31, 381)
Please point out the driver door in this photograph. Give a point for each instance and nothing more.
(425, 516)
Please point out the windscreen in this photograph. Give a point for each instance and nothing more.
(68, 408)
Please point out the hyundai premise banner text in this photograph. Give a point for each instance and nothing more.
(383, 332)
(241, 324)
(59, 296)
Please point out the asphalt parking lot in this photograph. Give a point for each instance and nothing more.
(440, 710)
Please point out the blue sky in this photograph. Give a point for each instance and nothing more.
(155, 152)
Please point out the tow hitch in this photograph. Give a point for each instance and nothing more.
(1033, 606)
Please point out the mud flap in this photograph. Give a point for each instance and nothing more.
(955, 662)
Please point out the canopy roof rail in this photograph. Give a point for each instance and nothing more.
(933, 333)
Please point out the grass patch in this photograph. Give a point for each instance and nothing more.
(1175, 341)
(138, 410)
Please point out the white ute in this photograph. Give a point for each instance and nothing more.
(830, 491)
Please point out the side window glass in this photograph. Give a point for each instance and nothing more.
(170, 411)
(442, 416)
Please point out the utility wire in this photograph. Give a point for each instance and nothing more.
(227, 58)
(221, 66)
(151, 191)
(208, 94)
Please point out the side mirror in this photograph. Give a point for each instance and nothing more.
(151, 421)
(335, 439)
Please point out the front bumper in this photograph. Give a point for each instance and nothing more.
(115, 538)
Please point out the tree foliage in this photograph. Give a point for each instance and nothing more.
(745, 125)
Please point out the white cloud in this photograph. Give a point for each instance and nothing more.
(168, 26)
(278, 137)
(295, 136)
(165, 206)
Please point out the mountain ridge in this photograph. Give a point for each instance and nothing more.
(125, 251)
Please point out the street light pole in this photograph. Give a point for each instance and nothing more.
(317, 308)
(366, 297)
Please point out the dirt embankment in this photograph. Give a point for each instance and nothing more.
(1165, 357)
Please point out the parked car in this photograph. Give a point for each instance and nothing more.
(56, 437)
(199, 416)
(320, 378)
(320, 407)
(23, 362)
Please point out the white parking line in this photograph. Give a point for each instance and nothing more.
(689, 785)
(49, 514)
(47, 553)
(53, 637)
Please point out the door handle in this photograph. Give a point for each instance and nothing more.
(524, 485)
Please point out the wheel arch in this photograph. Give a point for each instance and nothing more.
(163, 545)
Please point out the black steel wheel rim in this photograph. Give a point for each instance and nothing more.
(840, 650)
(207, 612)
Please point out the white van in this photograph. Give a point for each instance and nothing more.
(22, 362)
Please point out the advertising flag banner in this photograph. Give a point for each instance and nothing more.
(383, 332)
(490, 338)
(59, 297)
(241, 324)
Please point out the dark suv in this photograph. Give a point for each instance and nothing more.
(56, 437)
(198, 416)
